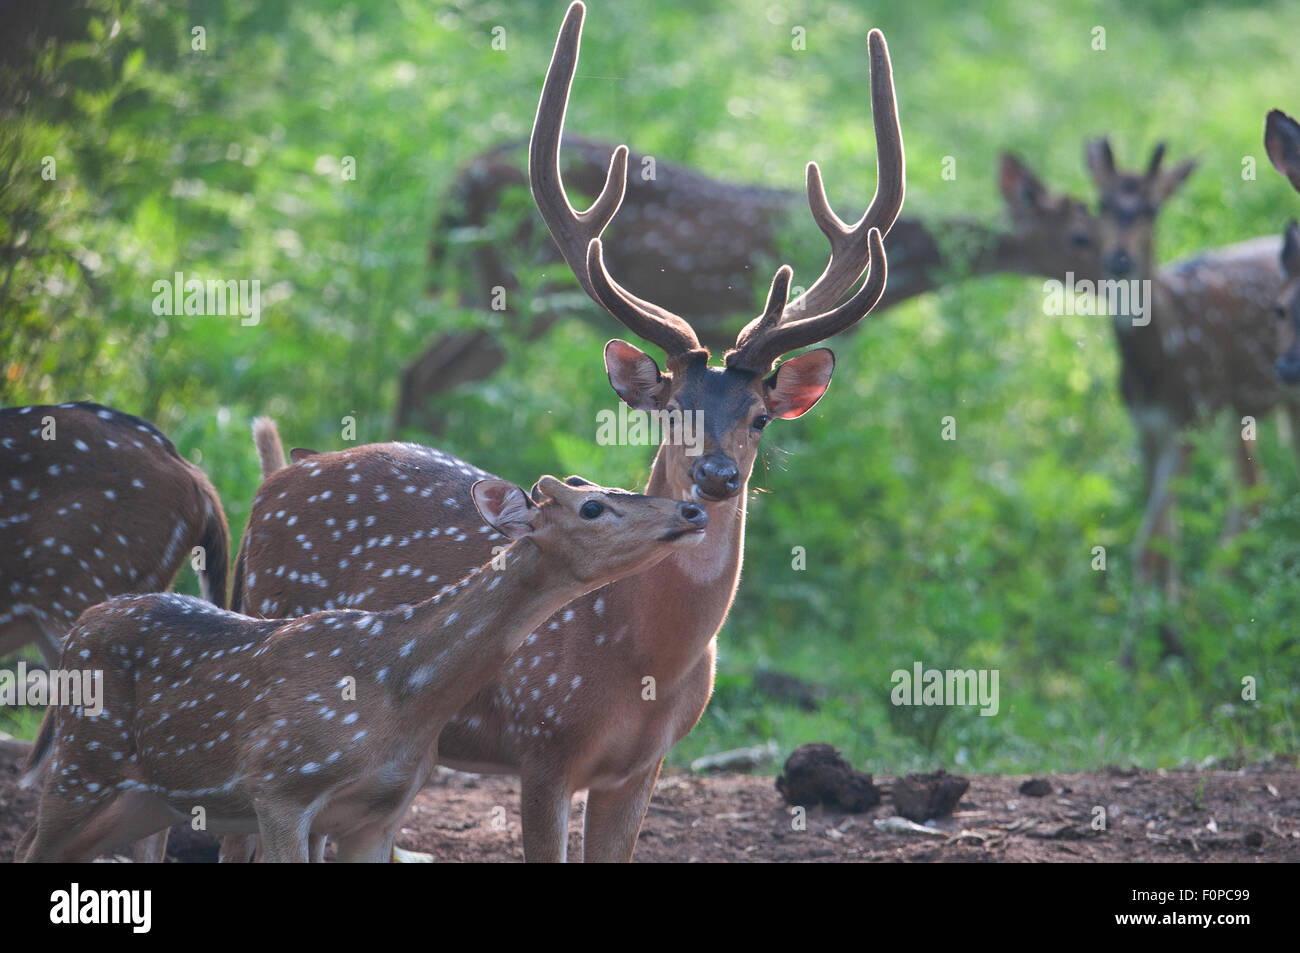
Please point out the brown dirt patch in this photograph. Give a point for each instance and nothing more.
(1250, 815)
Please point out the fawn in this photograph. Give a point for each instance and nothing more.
(326, 724)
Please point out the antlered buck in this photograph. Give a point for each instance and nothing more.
(597, 694)
(95, 503)
(325, 725)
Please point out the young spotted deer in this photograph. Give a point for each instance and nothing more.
(327, 724)
(597, 694)
(1203, 340)
(95, 503)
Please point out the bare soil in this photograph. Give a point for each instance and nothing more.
(1249, 815)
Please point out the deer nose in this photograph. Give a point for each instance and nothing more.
(693, 514)
(1288, 368)
(716, 476)
(1118, 263)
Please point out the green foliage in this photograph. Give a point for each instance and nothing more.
(974, 553)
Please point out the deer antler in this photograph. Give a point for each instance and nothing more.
(849, 247)
(769, 336)
(574, 231)
(783, 325)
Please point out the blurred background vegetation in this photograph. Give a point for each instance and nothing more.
(975, 553)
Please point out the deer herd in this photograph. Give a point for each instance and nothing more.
(393, 608)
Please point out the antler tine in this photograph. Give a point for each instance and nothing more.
(777, 296)
(849, 252)
(572, 230)
(762, 342)
(660, 327)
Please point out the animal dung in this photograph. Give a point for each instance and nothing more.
(817, 774)
(919, 797)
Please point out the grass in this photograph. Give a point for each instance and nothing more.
(975, 552)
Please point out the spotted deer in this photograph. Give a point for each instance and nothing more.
(597, 694)
(1282, 143)
(327, 724)
(1204, 343)
(95, 503)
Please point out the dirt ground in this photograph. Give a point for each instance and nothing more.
(1247, 816)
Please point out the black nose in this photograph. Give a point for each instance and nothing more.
(693, 514)
(716, 476)
(1288, 368)
(1118, 263)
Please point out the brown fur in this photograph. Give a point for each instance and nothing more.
(81, 525)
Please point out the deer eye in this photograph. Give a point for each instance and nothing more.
(1079, 240)
(591, 509)
(1280, 312)
(761, 421)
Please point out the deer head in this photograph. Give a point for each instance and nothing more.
(734, 401)
(591, 533)
(1128, 206)
(1053, 228)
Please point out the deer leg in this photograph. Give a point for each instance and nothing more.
(1247, 466)
(151, 850)
(284, 834)
(544, 809)
(1161, 458)
(68, 831)
(370, 845)
(614, 818)
(237, 849)
(1293, 426)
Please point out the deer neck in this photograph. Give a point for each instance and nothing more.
(674, 609)
(447, 647)
(1145, 373)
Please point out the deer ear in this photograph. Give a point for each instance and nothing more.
(635, 376)
(797, 384)
(505, 507)
(1101, 161)
(1291, 249)
(1282, 142)
(300, 453)
(1021, 189)
(1170, 182)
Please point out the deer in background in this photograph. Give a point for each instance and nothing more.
(266, 729)
(596, 695)
(690, 242)
(95, 503)
(1282, 143)
(1205, 343)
